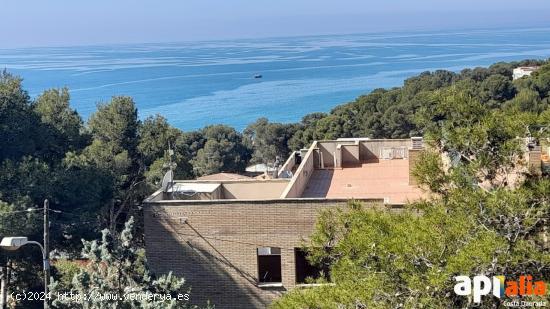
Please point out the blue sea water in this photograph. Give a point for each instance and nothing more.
(194, 84)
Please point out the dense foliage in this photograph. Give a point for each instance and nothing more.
(115, 275)
(96, 173)
(487, 213)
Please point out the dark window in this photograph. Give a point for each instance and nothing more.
(305, 270)
(269, 265)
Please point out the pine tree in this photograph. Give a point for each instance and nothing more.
(116, 275)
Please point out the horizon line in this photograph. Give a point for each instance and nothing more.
(197, 41)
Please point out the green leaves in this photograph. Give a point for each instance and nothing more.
(480, 218)
(268, 140)
(223, 151)
(65, 124)
(486, 214)
(114, 266)
(116, 122)
(408, 259)
(18, 131)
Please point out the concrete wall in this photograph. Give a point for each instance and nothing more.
(289, 165)
(350, 155)
(327, 151)
(213, 245)
(231, 189)
(326, 154)
(300, 179)
(371, 150)
(201, 196)
(367, 150)
(338, 156)
(250, 190)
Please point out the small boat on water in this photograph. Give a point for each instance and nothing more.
(258, 76)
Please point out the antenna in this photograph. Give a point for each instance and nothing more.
(168, 179)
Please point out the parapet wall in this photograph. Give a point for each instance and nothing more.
(242, 189)
(373, 149)
(252, 190)
(289, 165)
(300, 179)
(339, 153)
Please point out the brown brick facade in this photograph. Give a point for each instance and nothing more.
(213, 244)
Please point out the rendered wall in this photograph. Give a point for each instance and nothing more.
(300, 179)
(250, 190)
(370, 150)
(327, 150)
(289, 164)
(201, 196)
(326, 153)
(350, 155)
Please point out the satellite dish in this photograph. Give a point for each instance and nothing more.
(167, 181)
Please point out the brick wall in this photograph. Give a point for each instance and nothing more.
(213, 245)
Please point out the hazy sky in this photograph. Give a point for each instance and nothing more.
(80, 22)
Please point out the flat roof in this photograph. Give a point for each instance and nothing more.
(223, 176)
(386, 179)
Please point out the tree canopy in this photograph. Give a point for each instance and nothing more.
(97, 172)
(486, 214)
(115, 273)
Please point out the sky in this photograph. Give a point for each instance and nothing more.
(26, 23)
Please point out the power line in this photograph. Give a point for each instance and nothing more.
(28, 210)
(20, 211)
(31, 210)
(68, 213)
(74, 222)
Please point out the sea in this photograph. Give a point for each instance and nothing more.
(234, 82)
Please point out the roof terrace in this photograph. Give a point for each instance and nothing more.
(385, 179)
(338, 169)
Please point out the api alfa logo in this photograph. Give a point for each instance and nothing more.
(498, 286)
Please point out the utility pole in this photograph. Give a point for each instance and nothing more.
(46, 252)
(4, 287)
